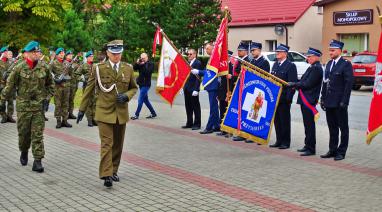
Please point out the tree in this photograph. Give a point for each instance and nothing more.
(74, 35)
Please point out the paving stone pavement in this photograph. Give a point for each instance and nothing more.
(165, 168)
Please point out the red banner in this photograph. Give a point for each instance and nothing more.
(157, 40)
(375, 115)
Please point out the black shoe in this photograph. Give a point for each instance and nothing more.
(206, 132)
(249, 142)
(221, 133)
(302, 149)
(151, 116)
(10, 119)
(134, 118)
(72, 116)
(307, 153)
(108, 182)
(274, 145)
(339, 157)
(195, 128)
(115, 178)
(283, 147)
(46, 119)
(90, 123)
(37, 166)
(59, 124)
(95, 123)
(186, 126)
(66, 124)
(328, 155)
(4, 120)
(238, 138)
(24, 158)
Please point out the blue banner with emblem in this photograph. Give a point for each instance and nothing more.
(252, 107)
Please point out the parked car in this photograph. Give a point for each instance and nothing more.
(295, 57)
(364, 65)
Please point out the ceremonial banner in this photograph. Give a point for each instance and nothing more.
(173, 71)
(218, 62)
(251, 110)
(375, 115)
(157, 40)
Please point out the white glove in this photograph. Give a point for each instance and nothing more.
(195, 93)
(195, 71)
(181, 92)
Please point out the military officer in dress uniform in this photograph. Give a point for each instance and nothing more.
(62, 90)
(242, 52)
(33, 83)
(114, 82)
(258, 59)
(335, 96)
(287, 71)
(212, 89)
(309, 88)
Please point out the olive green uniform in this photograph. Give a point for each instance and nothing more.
(110, 115)
(32, 87)
(62, 90)
(73, 84)
(86, 70)
(5, 69)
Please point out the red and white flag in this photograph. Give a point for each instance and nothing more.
(173, 72)
(157, 40)
(375, 115)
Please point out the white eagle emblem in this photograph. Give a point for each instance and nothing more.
(378, 79)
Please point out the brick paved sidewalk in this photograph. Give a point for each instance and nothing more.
(165, 168)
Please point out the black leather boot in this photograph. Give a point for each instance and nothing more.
(24, 158)
(37, 166)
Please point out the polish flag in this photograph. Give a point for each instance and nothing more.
(157, 40)
(173, 71)
(375, 115)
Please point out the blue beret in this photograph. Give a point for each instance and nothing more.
(282, 48)
(32, 46)
(59, 50)
(88, 54)
(243, 46)
(313, 51)
(255, 45)
(4, 49)
(335, 44)
(69, 52)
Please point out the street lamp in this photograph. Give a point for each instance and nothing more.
(279, 30)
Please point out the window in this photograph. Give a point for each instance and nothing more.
(365, 59)
(320, 10)
(271, 44)
(294, 57)
(271, 57)
(354, 43)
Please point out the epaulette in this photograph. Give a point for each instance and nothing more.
(128, 64)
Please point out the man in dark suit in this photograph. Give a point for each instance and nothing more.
(191, 94)
(258, 59)
(287, 71)
(224, 90)
(309, 91)
(335, 96)
(212, 89)
(242, 52)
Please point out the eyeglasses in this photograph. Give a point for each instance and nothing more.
(189, 54)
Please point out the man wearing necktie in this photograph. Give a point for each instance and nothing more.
(335, 96)
(287, 71)
(114, 83)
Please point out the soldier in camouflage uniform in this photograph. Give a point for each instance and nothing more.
(5, 63)
(72, 67)
(62, 89)
(31, 79)
(86, 70)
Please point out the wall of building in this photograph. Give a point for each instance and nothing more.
(306, 32)
(332, 32)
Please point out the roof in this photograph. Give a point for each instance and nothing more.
(266, 12)
(324, 2)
